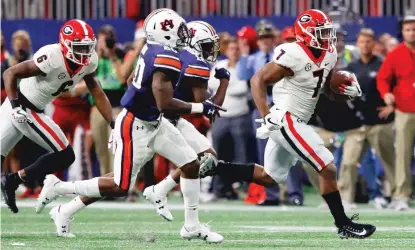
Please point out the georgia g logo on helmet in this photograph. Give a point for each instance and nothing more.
(67, 30)
(305, 18)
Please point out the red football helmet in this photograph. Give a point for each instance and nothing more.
(77, 40)
(315, 29)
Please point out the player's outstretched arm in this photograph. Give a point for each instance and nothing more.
(270, 73)
(19, 71)
(101, 100)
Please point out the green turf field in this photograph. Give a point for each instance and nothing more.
(115, 225)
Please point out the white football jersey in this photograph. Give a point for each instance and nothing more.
(58, 78)
(298, 94)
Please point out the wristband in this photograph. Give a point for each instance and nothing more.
(15, 103)
(197, 108)
(112, 124)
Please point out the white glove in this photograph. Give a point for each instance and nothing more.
(353, 90)
(20, 115)
(272, 121)
(112, 142)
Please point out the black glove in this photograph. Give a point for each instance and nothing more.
(222, 73)
(211, 110)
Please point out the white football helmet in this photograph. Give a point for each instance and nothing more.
(204, 41)
(166, 27)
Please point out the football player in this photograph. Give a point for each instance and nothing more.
(141, 130)
(192, 87)
(301, 70)
(54, 69)
(197, 59)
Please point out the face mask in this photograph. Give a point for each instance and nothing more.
(23, 55)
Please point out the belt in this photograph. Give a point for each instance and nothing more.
(26, 103)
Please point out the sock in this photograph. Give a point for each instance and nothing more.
(164, 186)
(72, 207)
(236, 172)
(50, 163)
(334, 202)
(89, 188)
(191, 190)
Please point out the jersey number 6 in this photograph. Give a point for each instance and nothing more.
(63, 88)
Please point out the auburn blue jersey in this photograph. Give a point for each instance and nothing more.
(139, 98)
(193, 67)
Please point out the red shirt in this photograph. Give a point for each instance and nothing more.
(399, 66)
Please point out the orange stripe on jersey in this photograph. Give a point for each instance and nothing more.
(199, 72)
(168, 62)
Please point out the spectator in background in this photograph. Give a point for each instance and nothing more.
(376, 129)
(277, 37)
(113, 84)
(236, 122)
(247, 35)
(398, 70)
(391, 44)
(344, 54)
(224, 38)
(384, 37)
(379, 50)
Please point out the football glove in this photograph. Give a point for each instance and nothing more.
(272, 121)
(222, 73)
(211, 110)
(20, 115)
(352, 90)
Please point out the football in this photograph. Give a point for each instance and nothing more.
(339, 78)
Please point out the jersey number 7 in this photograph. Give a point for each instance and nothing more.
(319, 74)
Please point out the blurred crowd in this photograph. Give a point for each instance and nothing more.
(372, 137)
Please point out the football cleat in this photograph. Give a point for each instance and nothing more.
(355, 230)
(204, 232)
(8, 189)
(62, 222)
(48, 193)
(160, 203)
(208, 165)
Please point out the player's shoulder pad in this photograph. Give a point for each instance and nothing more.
(165, 57)
(93, 63)
(287, 56)
(196, 67)
(49, 58)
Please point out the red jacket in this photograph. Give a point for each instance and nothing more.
(399, 67)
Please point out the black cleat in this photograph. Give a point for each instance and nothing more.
(8, 188)
(355, 230)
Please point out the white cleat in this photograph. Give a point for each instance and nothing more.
(401, 205)
(202, 233)
(160, 203)
(48, 193)
(62, 223)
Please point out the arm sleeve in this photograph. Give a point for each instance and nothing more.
(385, 76)
(45, 59)
(244, 68)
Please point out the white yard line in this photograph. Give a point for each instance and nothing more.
(205, 207)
